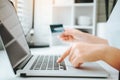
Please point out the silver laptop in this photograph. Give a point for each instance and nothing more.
(26, 64)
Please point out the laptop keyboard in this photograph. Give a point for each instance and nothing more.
(45, 62)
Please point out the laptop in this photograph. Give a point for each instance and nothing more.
(25, 64)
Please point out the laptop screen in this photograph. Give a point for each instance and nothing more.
(12, 34)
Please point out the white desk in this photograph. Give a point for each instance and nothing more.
(6, 72)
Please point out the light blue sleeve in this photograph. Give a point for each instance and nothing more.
(113, 27)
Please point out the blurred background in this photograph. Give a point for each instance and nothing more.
(37, 15)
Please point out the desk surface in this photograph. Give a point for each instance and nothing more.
(6, 72)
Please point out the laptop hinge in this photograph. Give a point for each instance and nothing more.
(22, 65)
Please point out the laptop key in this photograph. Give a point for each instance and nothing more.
(44, 64)
(34, 63)
(39, 63)
(50, 63)
(56, 65)
(62, 65)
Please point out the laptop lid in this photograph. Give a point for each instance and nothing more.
(12, 35)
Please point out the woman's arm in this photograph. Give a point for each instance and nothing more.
(80, 53)
(92, 39)
(112, 57)
(74, 35)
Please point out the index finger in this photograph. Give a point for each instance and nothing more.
(60, 59)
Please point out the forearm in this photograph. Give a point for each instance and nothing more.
(94, 39)
(112, 57)
(97, 40)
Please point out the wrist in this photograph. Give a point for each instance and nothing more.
(103, 52)
(112, 56)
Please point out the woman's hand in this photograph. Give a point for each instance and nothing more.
(84, 52)
(70, 35)
(73, 35)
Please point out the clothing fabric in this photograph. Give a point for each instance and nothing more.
(113, 28)
(112, 31)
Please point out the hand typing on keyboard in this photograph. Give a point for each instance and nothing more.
(83, 52)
